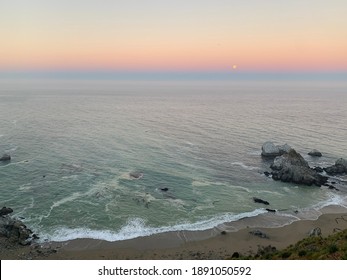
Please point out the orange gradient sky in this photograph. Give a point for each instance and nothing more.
(205, 35)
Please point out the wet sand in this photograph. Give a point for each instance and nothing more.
(209, 244)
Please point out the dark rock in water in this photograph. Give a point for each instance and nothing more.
(318, 169)
(5, 211)
(5, 157)
(315, 153)
(258, 233)
(223, 232)
(35, 236)
(136, 175)
(164, 189)
(335, 169)
(15, 230)
(333, 188)
(269, 149)
(258, 200)
(340, 167)
(292, 167)
(267, 173)
(270, 210)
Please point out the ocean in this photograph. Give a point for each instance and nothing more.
(114, 160)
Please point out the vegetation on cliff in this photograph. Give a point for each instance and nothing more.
(333, 247)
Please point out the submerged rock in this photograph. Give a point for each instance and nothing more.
(315, 153)
(136, 175)
(292, 167)
(258, 200)
(5, 157)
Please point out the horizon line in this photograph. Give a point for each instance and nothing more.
(172, 75)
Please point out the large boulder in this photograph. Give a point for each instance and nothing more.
(339, 167)
(284, 148)
(269, 149)
(292, 167)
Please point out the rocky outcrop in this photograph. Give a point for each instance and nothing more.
(15, 230)
(292, 167)
(315, 153)
(5, 157)
(5, 211)
(269, 149)
(340, 167)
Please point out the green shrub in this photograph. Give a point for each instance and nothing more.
(333, 248)
(302, 253)
(285, 255)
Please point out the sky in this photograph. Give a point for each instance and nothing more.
(174, 36)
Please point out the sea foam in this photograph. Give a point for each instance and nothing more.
(137, 227)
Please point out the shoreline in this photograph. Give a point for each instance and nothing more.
(206, 244)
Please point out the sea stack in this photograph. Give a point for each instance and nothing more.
(292, 167)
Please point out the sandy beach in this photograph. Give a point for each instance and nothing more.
(209, 244)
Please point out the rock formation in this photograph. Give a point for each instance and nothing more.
(15, 230)
(269, 149)
(339, 167)
(5, 211)
(292, 167)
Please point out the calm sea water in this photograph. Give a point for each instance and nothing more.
(74, 144)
